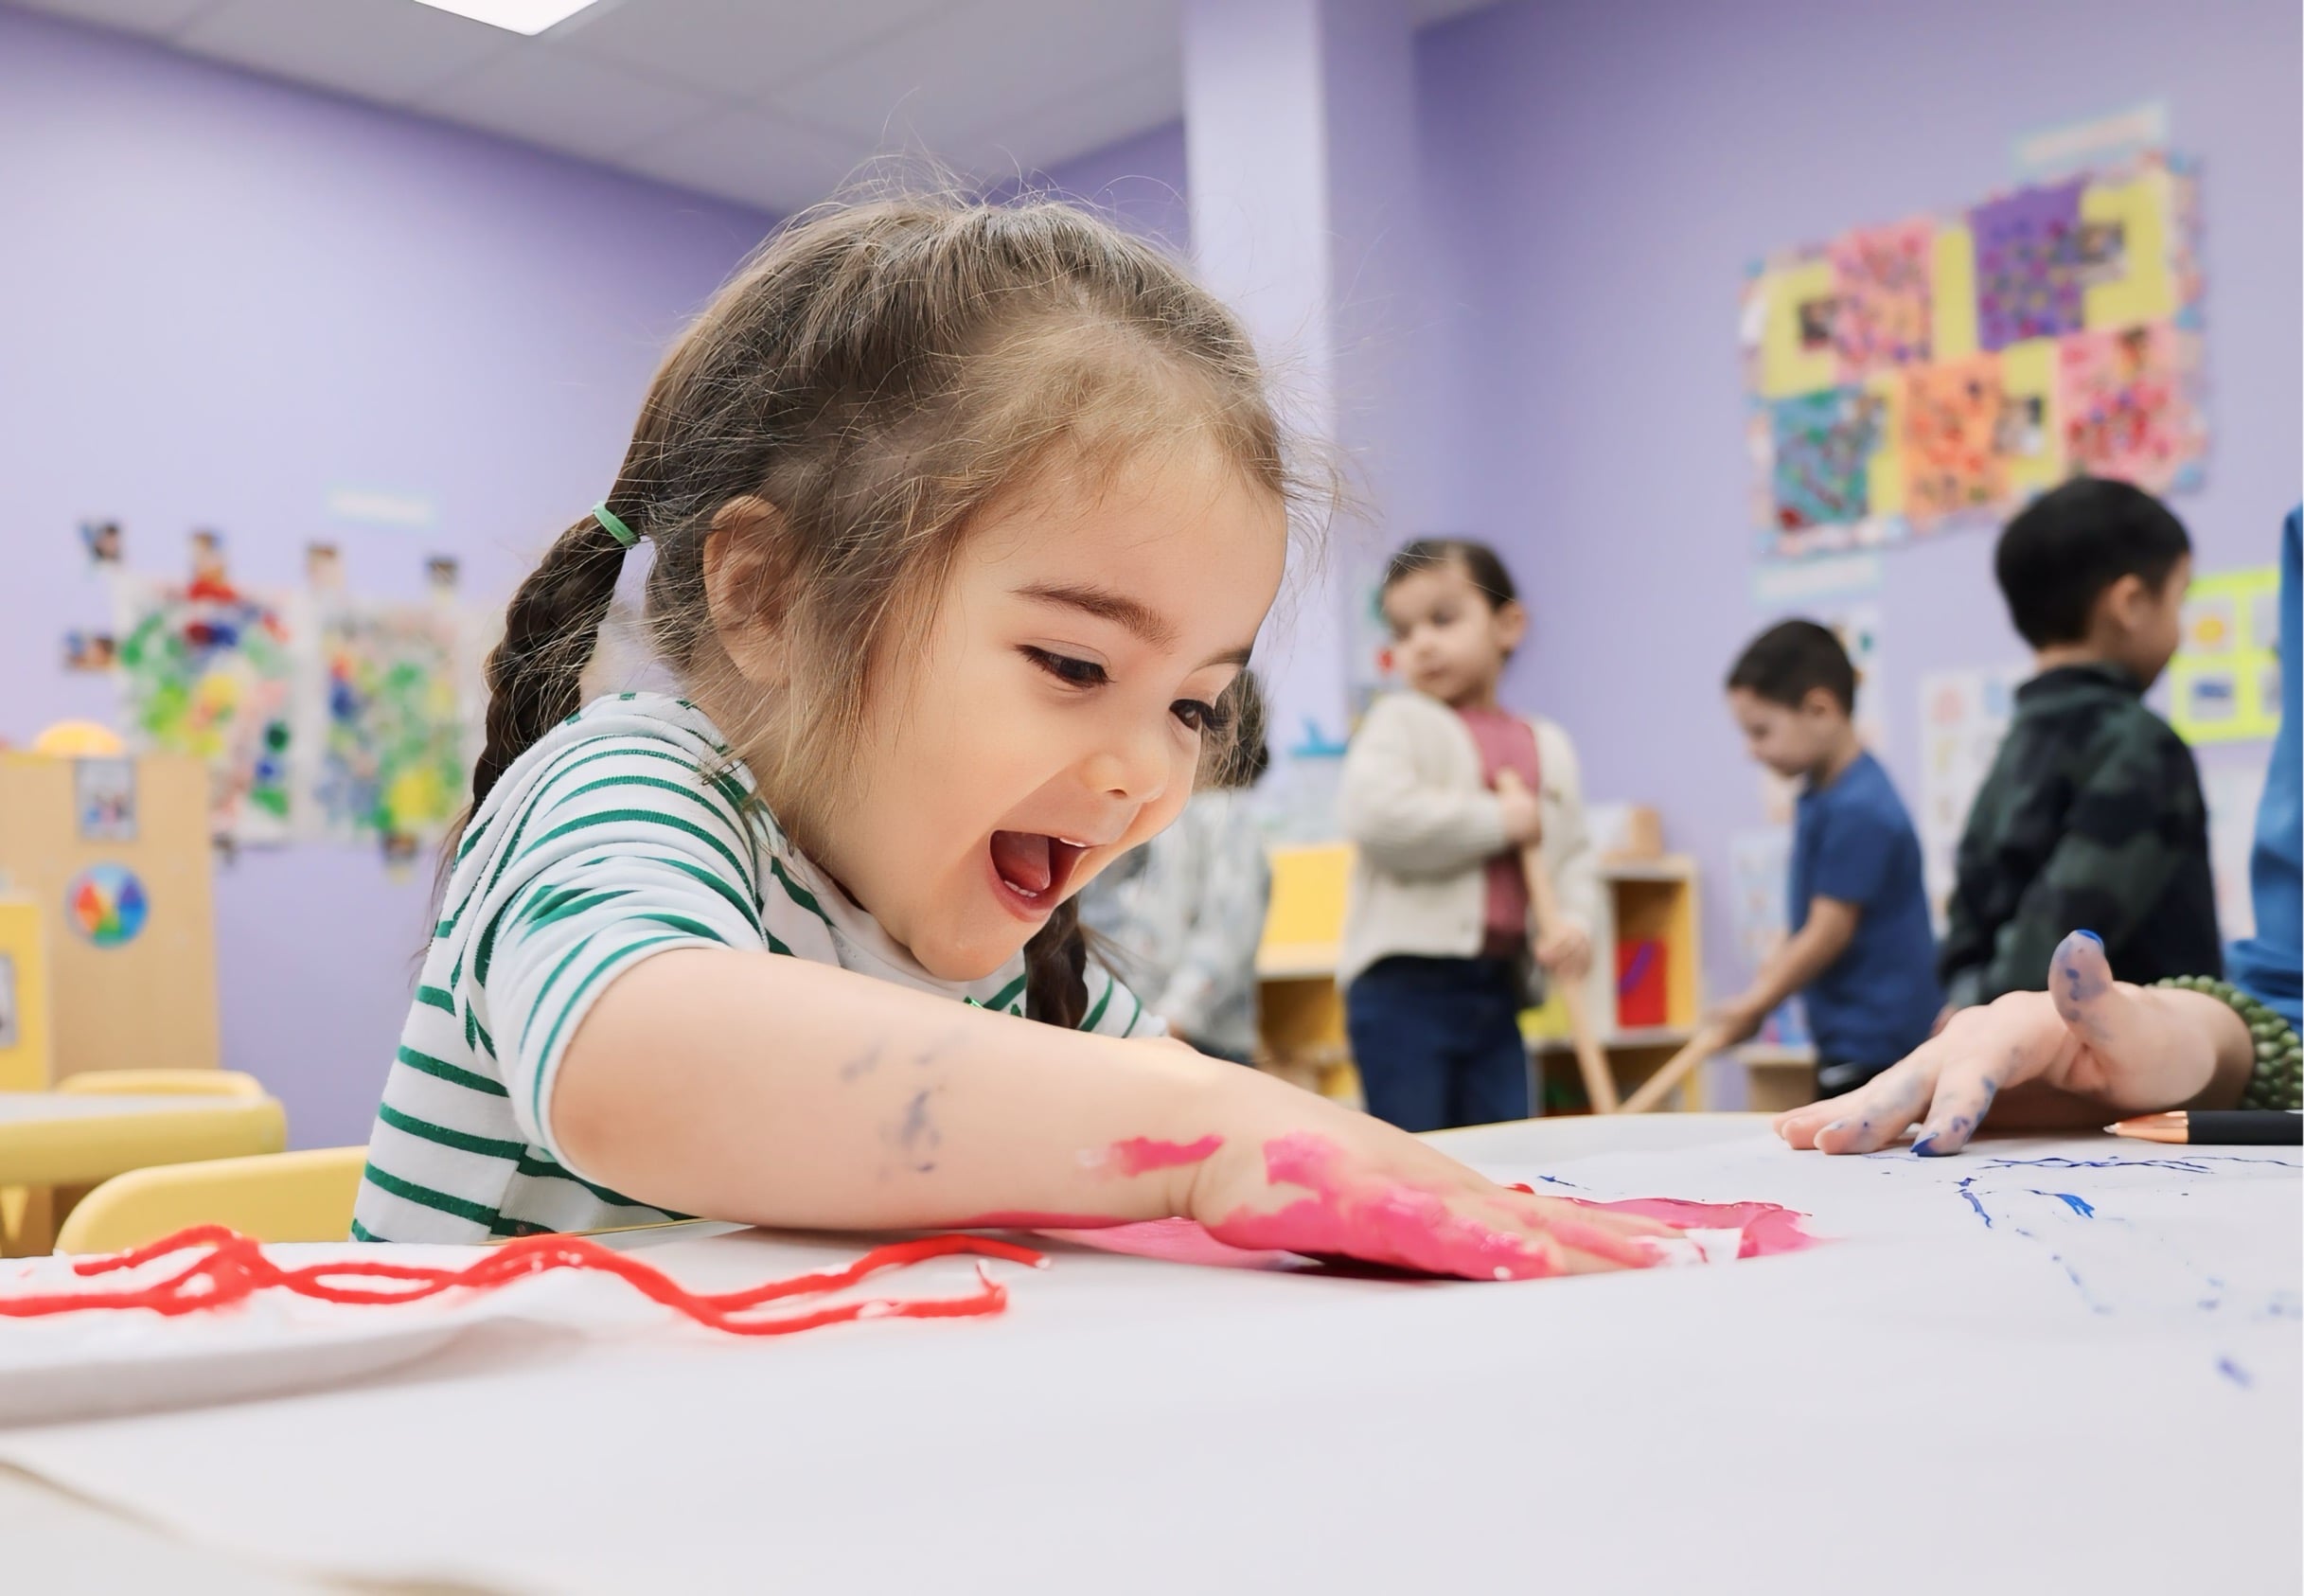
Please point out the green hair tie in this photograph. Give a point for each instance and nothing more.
(616, 529)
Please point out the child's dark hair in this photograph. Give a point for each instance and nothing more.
(2065, 547)
(1791, 660)
(840, 413)
(1480, 561)
(1240, 758)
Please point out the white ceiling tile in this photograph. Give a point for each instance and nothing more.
(931, 86)
(388, 50)
(1034, 139)
(137, 16)
(550, 96)
(745, 155)
(737, 48)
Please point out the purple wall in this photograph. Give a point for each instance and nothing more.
(225, 298)
(1600, 175)
(1138, 182)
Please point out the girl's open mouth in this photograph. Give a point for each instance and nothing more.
(1033, 870)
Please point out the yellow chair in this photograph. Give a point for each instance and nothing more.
(79, 739)
(276, 1197)
(30, 1215)
(162, 1083)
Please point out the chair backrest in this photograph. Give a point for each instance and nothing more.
(162, 1083)
(305, 1195)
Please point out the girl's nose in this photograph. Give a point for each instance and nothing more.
(1132, 764)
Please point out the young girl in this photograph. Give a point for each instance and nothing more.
(962, 518)
(1442, 789)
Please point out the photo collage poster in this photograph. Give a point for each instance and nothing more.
(1904, 376)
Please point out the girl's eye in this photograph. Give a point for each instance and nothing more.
(1199, 715)
(1065, 668)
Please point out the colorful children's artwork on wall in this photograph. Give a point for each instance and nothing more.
(1907, 376)
(209, 670)
(2224, 685)
(391, 763)
(1760, 865)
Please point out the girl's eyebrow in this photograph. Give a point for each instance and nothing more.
(1139, 619)
(1145, 624)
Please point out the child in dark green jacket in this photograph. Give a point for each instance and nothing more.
(2091, 817)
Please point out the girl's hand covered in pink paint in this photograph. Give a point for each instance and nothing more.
(2088, 1049)
(1335, 1183)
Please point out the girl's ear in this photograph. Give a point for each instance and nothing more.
(1511, 624)
(749, 576)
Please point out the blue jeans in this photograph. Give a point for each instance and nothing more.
(1437, 1042)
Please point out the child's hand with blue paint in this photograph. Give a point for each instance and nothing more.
(2088, 1049)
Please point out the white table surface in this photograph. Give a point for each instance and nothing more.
(1225, 1495)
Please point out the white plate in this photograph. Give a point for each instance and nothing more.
(100, 1363)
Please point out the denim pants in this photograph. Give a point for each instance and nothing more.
(1437, 1042)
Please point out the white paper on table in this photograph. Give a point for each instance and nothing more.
(2042, 1403)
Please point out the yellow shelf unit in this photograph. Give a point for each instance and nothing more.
(1648, 899)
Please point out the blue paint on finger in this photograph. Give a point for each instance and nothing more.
(2082, 982)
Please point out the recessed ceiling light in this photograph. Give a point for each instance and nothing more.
(520, 16)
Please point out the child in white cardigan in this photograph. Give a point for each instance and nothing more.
(1436, 944)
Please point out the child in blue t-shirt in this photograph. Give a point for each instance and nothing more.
(1861, 952)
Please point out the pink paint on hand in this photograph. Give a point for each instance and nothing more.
(1178, 1241)
(1139, 1154)
(1391, 1222)
(1767, 1228)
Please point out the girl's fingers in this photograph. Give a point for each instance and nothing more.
(1963, 1097)
(1836, 1124)
(1543, 1212)
(1877, 1112)
(2014, 1039)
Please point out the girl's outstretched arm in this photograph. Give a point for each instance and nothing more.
(753, 1087)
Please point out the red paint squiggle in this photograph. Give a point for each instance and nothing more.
(233, 1269)
(1141, 1153)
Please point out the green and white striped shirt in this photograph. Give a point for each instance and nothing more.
(630, 830)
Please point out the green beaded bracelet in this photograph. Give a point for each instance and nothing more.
(2277, 1080)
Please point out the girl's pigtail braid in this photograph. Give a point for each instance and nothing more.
(549, 633)
(1055, 969)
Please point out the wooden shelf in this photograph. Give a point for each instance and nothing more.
(1296, 960)
(1670, 867)
(1641, 1036)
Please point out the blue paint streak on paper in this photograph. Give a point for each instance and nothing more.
(1973, 1203)
(2196, 1165)
(2234, 1373)
(2080, 1206)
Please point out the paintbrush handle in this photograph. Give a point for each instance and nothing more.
(1591, 1059)
(1701, 1046)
